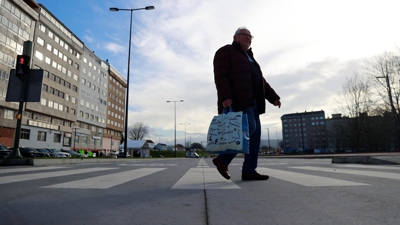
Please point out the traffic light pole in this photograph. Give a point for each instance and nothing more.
(27, 51)
(15, 153)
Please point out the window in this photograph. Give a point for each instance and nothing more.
(25, 133)
(42, 28)
(41, 136)
(57, 138)
(39, 55)
(8, 114)
(40, 41)
(84, 140)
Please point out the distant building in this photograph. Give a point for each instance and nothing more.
(83, 97)
(304, 132)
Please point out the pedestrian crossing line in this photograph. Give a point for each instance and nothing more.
(306, 179)
(34, 176)
(394, 167)
(204, 178)
(107, 181)
(149, 164)
(202, 164)
(388, 175)
(28, 169)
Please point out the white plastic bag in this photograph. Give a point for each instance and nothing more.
(228, 133)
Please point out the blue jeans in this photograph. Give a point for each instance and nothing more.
(251, 159)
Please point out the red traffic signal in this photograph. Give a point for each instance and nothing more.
(22, 67)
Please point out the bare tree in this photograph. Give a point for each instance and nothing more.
(354, 101)
(384, 71)
(138, 131)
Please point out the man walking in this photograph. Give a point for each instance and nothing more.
(241, 85)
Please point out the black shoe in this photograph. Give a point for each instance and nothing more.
(222, 168)
(254, 176)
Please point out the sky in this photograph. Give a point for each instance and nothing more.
(306, 49)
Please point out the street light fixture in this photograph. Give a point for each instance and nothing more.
(185, 132)
(175, 119)
(113, 9)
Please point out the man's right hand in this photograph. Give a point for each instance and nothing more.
(227, 103)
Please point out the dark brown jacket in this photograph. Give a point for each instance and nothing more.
(233, 79)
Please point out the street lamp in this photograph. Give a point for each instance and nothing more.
(185, 132)
(127, 76)
(269, 143)
(75, 136)
(159, 135)
(392, 106)
(175, 119)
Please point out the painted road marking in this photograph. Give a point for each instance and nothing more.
(28, 169)
(204, 178)
(107, 181)
(306, 179)
(34, 176)
(394, 176)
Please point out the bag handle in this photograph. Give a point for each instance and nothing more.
(224, 110)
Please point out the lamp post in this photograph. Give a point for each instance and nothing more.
(127, 76)
(269, 143)
(392, 106)
(175, 119)
(185, 132)
(159, 142)
(75, 136)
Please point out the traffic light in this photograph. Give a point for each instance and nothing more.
(22, 67)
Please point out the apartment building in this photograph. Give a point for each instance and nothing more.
(304, 132)
(92, 107)
(115, 110)
(72, 113)
(17, 25)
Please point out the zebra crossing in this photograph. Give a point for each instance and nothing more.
(203, 176)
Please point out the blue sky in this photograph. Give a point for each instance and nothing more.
(305, 49)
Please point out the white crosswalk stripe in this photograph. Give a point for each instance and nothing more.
(202, 164)
(306, 179)
(34, 176)
(204, 175)
(27, 169)
(394, 176)
(107, 181)
(204, 178)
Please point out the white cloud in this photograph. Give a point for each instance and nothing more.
(305, 48)
(115, 48)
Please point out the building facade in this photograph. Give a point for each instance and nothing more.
(304, 132)
(115, 110)
(17, 24)
(72, 112)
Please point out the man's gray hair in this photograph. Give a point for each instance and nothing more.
(239, 29)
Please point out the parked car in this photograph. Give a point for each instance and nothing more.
(4, 151)
(72, 153)
(31, 152)
(121, 154)
(58, 153)
(45, 151)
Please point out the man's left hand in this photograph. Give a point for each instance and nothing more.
(277, 103)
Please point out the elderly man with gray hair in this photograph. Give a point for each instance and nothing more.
(240, 84)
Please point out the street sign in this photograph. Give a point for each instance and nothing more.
(33, 91)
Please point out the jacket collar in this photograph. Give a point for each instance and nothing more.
(238, 47)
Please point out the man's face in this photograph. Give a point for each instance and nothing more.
(244, 38)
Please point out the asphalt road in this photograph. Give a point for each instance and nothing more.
(190, 191)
